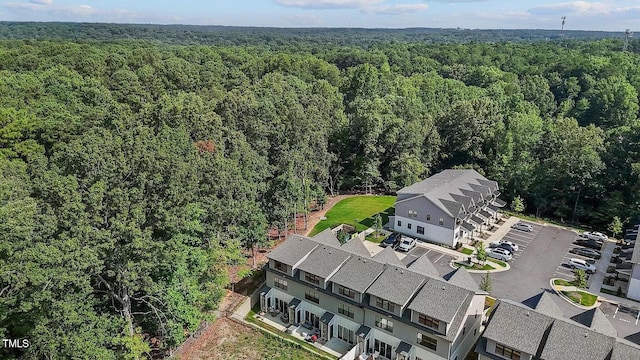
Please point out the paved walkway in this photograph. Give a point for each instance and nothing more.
(501, 231)
(595, 281)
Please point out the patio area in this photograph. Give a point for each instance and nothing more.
(334, 346)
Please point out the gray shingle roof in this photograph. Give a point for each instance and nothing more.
(404, 348)
(324, 261)
(545, 304)
(326, 237)
(597, 321)
(518, 327)
(388, 256)
(622, 351)
(461, 277)
(292, 250)
(326, 317)
(424, 266)
(439, 300)
(476, 219)
(363, 331)
(493, 185)
(441, 187)
(396, 284)
(462, 199)
(485, 213)
(572, 341)
(468, 226)
(358, 273)
(356, 247)
(458, 320)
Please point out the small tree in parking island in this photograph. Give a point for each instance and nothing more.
(517, 205)
(616, 226)
(481, 253)
(485, 284)
(580, 279)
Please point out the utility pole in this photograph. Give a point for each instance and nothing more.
(562, 28)
(627, 34)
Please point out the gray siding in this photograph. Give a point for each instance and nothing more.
(397, 308)
(424, 206)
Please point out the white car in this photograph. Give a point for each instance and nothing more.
(596, 236)
(406, 244)
(582, 265)
(523, 227)
(512, 244)
(500, 254)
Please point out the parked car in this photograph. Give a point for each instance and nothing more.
(596, 236)
(522, 226)
(507, 247)
(589, 243)
(407, 243)
(500, 254)
(510, 243)
(582, 265)
(590, 253)
(392, 240)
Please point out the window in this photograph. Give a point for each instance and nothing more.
(384, 324)
(345, 310)
(507, 352)
(428, 217)
(384, 304)
(427, 342)
(345, 291)
(428, 321)
(409, 226)
(413, 213)
(441, 221)
(383, 348)
(420, 230)
(312, 296)
(280, 283)
(346, 334)
(311, 278)
(280, 266)
(399, 223)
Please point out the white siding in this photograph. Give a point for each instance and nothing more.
(634, 283)
(432, 233)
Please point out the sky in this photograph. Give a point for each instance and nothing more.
(608, 15)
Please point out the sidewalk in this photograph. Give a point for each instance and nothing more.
(595, 281)
(502, 230)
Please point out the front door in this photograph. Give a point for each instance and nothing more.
(324, 330)
(292, 314)
(383, 349)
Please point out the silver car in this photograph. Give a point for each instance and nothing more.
(406, 244)
(522, 227)
(500, 254)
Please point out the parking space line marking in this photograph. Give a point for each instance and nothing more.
(439, 258)
(616, 312)
(637, 316)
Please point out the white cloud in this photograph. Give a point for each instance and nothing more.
(574, 7)
(328, 4)
(43, 2)
(397, 9)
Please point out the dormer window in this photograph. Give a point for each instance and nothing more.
(507, 352)
(384, 304)
(280, 266)
(310, 278)
(428, 321)
(345, 291)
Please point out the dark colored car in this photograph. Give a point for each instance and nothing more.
(590, 253)
(589, 243)
(507, 247)
(392, 240)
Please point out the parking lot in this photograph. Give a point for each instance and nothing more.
(521, 238)
(624, 318)
(564, 271)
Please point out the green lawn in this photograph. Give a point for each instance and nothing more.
(475, 266)
(372, 238)
(581, 297)
(360, 208)
(562, 282)
(467, 251)
(497, 262)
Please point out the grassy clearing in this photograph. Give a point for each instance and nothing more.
(466, 251)
(581, 297)
(475, 266)
(357, 211)
(284, 346)
(372, 238)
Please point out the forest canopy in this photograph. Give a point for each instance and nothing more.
(132, 173)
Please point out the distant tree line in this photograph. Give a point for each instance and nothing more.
(133, 173)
